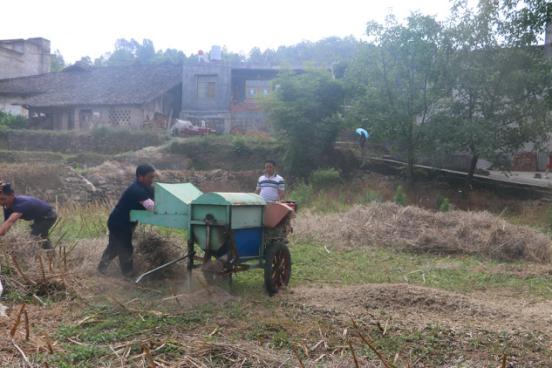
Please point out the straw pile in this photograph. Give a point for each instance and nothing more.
(415, 229)
(154, 249)
(30, 270)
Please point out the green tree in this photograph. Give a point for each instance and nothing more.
(128, 52)
(232, 57)
(170, 55)
(524, 21)
(145, 53)
(85, 61)
(256, 56)
(124, 53)
(323, 53)
(304, 111)
(395, 80)
(57, 63)
(8, 120)
(498, 96)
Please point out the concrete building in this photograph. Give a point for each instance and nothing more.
(77, 98)
(20, 58)
(226, 97)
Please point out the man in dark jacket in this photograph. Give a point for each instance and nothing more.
(138, 196)
(27, 208)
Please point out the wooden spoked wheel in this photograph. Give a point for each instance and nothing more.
(277, 268)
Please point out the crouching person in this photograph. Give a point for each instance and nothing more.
(138, 196)
(28, 208)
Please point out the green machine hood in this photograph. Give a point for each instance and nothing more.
(172, 206)
(230, 199)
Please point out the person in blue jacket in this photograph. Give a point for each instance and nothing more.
(363, 136)
(16, 207)
(138, 196)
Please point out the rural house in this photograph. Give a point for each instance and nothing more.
(80, 98)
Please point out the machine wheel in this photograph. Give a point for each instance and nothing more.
(277, 268)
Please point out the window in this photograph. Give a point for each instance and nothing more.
(206, 86)
(119, 117)
(211, 89)
(257, 88)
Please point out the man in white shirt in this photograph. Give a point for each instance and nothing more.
(271, 186)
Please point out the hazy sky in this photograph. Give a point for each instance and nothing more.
(78, 28)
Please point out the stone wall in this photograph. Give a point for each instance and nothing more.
(101, 140)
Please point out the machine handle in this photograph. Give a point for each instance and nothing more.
(160, 267)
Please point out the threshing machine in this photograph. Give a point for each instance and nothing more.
(234, 231)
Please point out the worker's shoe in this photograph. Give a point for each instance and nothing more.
(102, 267)
(106, 259)
(127, 268)
(129, 275)
(47, 245)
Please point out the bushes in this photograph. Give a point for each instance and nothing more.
(325, 178)
(9, 121)
(240, 147)
(234, 152)
(400, 196)
(326, 192)
(302, 193)
(443, 204)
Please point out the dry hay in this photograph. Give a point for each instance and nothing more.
(153, 250)
(30, 270)
(416, 229)
(220, 353)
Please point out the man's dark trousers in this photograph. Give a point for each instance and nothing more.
(120, 245)
(41, 227)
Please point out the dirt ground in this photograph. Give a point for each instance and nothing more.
(461, 329)
(318, 315)
(419, 306)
